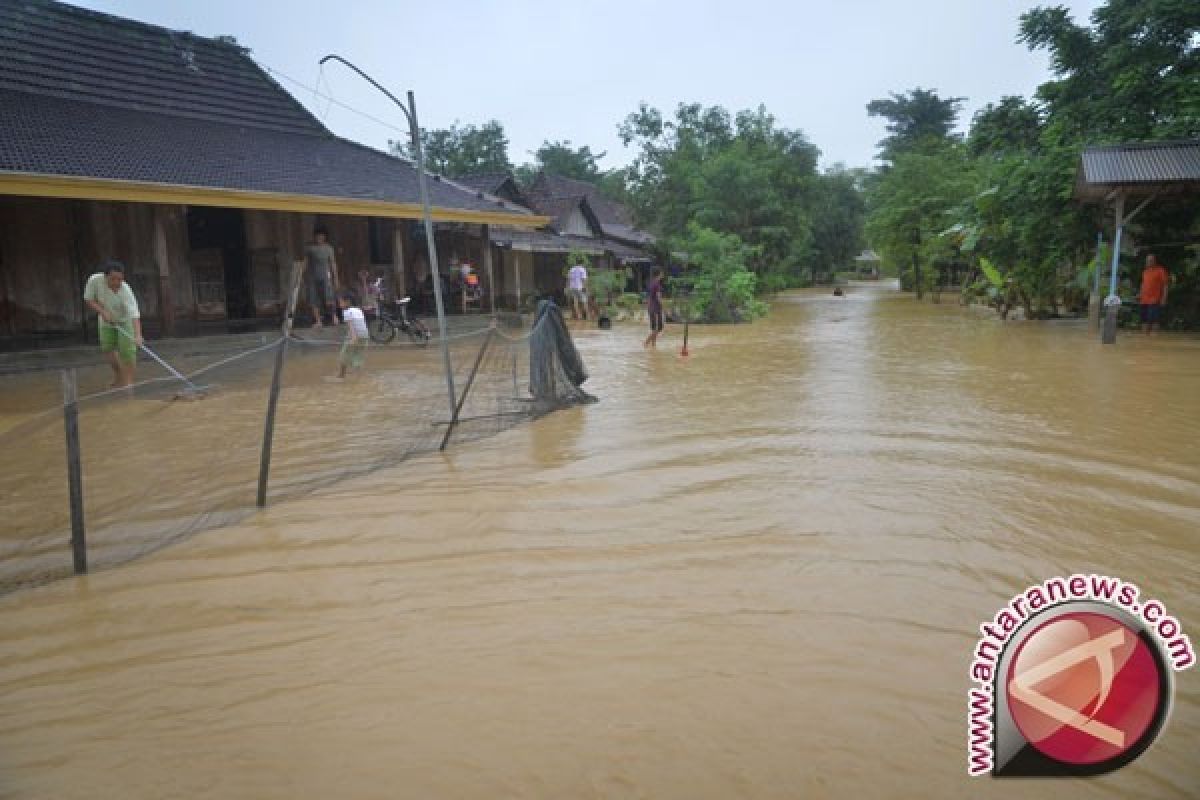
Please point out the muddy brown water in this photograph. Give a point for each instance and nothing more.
(755, 573)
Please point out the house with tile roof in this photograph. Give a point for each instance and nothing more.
(581, 220)
(179, 155)
(616, 222)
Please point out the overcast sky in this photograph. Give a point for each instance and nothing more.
(574, 70)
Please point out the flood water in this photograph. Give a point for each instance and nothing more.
(758, 572)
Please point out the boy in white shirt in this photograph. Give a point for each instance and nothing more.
(577, 290)
(354, 350)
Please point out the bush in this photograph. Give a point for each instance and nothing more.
(722, 287)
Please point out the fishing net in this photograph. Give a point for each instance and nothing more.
(160, 462)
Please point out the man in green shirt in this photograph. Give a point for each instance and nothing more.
(120, 321)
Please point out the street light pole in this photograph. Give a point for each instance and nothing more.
(415, 133)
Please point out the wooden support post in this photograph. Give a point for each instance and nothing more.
(74, 470)
(166, 302)
(399, 280)
(1094, 298)
(264, 464)
(487, 265)
(467, 389)
(517, 269)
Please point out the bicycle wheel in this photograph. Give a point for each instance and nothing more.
(381, 330)
(418, 333)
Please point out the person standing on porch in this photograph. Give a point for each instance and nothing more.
(120, 320)
(577, 290)
(322, 276)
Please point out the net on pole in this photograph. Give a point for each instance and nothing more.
(159, 465)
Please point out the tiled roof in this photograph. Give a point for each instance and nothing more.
(614, 219)
(1150, 165)
(62, 51)
(56, 136)
(628, 233)
(548, 186)
(545, 242)
(485, 181)
(561, 208)
(92, 96)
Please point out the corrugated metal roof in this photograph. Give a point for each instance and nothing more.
(1157, 162)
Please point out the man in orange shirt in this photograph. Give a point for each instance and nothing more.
(1154, 293)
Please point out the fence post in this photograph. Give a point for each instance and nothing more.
(74, 470)
(264, 464)
(467, 389)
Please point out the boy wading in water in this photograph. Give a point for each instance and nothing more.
(655, 307)
(120, 321)
(354, 350)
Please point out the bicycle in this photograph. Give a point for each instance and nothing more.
(383, 327)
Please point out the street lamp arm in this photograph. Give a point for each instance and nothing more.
(414, 129)
(373, 82)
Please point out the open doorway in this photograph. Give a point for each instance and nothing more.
(217, 240)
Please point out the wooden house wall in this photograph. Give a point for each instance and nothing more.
(49, 247)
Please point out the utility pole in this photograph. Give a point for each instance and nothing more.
(410, 112)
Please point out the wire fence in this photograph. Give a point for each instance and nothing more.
(159, 464)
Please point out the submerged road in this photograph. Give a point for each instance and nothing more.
(755, 573)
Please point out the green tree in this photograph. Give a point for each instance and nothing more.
(1134, 75)
(1010, 126)
(913, 118)
(560, 158)
(913, 202)
(722, 288)
(741, 175)
(838, 227)
(457, 151)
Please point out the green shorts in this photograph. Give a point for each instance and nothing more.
(353, 353)
(111, 339)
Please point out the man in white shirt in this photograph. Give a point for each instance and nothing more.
(120, 320)
(577, 291)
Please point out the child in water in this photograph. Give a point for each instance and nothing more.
(354, 349)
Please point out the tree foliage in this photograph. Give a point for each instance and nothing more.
(465, 150)
(1132, 75)
(722, 287)
(917, 116)
(1008, 127)
(739, 175)
(560, 158)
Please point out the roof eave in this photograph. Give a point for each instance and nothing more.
(58, 186)
(1099, 192)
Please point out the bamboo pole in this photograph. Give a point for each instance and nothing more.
(74, 470)
(467, 389)
(264, 464)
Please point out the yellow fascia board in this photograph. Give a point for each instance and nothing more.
(35, 185)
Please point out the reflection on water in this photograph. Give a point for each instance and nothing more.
(756, 572)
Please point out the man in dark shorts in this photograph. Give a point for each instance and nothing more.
(1154, 293)
(655, 307)
(321, 276)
